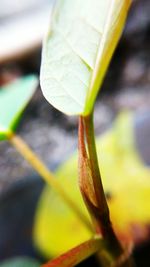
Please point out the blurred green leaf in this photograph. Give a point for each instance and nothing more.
(13, 99)
(77, 51)
(20, 262)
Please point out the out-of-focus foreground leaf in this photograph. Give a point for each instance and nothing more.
(13, 99)
(77, 51)
(126, 182)
(20, 262)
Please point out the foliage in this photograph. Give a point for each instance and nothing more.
(76, 55)
(13, 99)
(77, 51)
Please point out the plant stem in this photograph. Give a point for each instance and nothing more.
(48, 177)
(104, 218)
(100, 210)
(97, 181)
(77, 254)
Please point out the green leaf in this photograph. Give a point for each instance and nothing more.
(77, 51)
(13, 99)
(20, 262)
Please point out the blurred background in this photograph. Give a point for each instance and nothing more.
(52, 135)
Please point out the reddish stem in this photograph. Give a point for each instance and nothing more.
(77, 254)
(92, 191)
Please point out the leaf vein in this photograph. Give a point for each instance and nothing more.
(73, 50)
(67, 93)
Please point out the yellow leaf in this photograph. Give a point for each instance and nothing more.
(126, 181)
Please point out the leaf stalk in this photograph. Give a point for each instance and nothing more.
(78, 254)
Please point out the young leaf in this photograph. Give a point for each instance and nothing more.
(77, 51)
(13, 99)
(20, 262)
